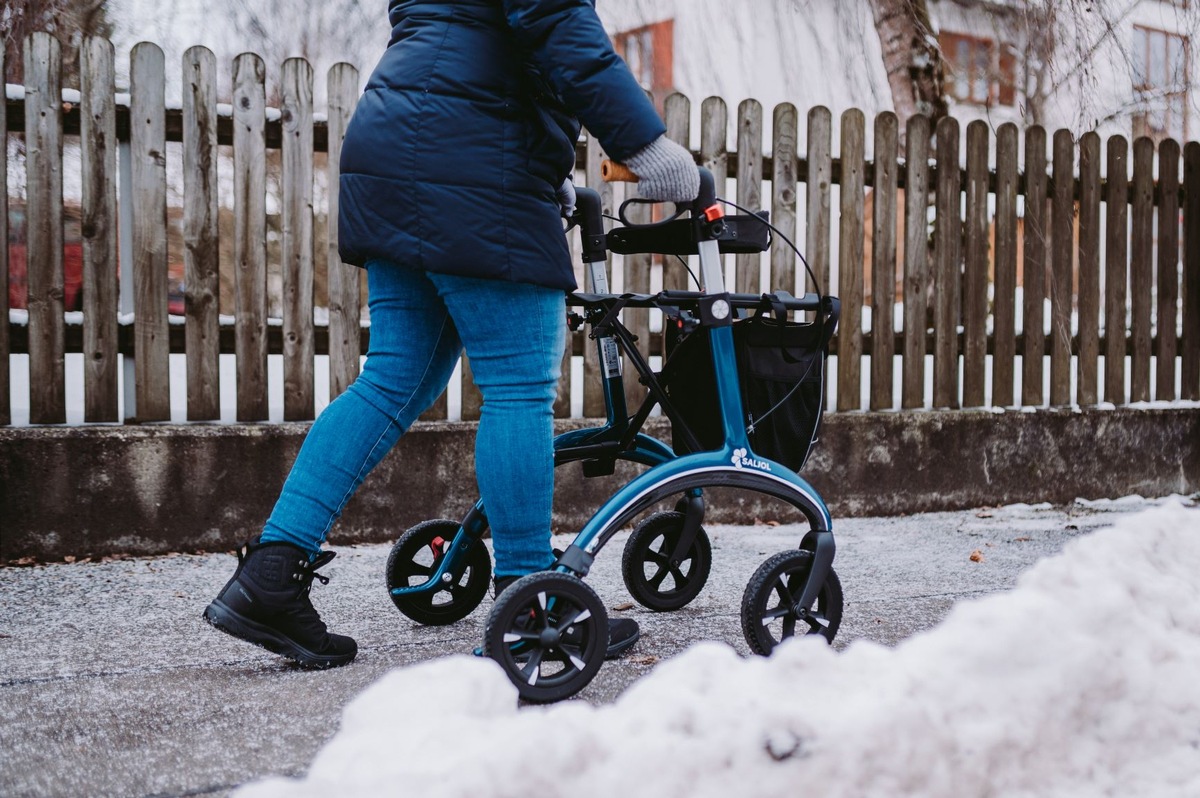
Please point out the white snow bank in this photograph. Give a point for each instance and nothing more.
(1079, 682)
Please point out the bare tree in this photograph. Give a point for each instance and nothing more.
(911, 58)
(70, 21)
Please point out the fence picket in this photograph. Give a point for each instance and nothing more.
(43, 168)
(975, 276)
(817, 190)
(201, 234)
(1168, 269)
(593, 386)
(783, 196)
(148, 128)
(946, 237)
(1034, 277)
(1141, 267)
(916, 259)
(749, 187)
(1189, 344)
(1115, 266)
(714, 156)
(297, 244)
(342, 279)
(1062, 220)
(677, 113)
(5, 344)
(850, 261)
(1089, 269)
(98, 156)
(1004, 306)
(883, 260)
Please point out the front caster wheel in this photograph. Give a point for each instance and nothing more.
(769, 611)
(652, 577)
(549, 631)
(415, 558)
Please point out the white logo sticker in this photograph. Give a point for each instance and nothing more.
(740, 459)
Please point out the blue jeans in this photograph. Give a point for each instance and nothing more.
(420, 322)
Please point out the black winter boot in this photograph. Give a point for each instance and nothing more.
(622, 632)
(266, 603)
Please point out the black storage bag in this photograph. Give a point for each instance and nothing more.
(781, 367)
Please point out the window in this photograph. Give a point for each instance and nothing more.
(979, 72)
(649, 52)
(1160, 84)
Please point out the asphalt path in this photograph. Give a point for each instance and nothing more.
(112, 685)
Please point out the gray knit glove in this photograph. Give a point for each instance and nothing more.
(666, 171)
(566, 198)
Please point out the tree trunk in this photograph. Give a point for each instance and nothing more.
(911, 58)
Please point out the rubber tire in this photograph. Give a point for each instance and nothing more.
(519, 601)
(464, 595)
(637, 549)
(792, 566)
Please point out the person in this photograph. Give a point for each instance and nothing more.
(455, 174)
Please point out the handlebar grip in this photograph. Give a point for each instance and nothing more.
(613, 172)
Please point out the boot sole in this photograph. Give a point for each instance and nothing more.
(232, 623)
(617, 649)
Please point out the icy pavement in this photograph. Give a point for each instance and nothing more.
(112, 685)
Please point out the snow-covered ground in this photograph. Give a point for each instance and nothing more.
(1079, 682)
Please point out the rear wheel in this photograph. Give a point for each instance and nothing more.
(657, 581)
(415, 558)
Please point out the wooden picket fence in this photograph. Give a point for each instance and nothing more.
(1050, 215)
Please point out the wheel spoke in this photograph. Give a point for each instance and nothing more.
(817, 621)
(419, 570)
(533, 667)
(785, 593)
(775, 613)
(680, 579)
(572, 655)
(789, 626)
(576, 615)
(520, 635)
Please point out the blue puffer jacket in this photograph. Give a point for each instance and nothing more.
(468, 126)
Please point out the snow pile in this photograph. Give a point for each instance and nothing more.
(1079, 682)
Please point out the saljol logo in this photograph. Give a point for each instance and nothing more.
(740, 459)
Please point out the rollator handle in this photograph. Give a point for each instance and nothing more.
(613, 172)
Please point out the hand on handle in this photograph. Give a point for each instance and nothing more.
(665, 172)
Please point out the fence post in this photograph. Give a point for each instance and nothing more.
(297, 250)
(1004, 307)
(1141, 267)
(97, 138)
(850, 261)
(783, 197)
(974, 300)
(916, 259)
(883, 260)
(1089, 269)
(43, 168)
(1034, 282)
(1115, 269)
(5, 383)
(1190, 343)
(677, 113)
(250, 235)
(947, 234)
(343, 279)
(818, 182)
(1062, 218)
(201, 235)
(749, 188)
(1168, 268)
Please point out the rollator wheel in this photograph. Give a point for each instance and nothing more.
(656, 582)
(768, 612)
(549, 631)
(416, 556)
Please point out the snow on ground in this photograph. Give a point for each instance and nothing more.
(1079, 682)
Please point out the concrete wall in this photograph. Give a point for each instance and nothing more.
(157, 488)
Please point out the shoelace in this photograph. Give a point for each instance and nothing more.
(308, 570)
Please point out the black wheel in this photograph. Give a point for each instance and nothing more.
(768, 612)
(651, 577)
(416, 556)
(549, 631)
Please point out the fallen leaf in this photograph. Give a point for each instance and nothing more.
(772, 523)
(628, 605)
(1022, 540)
(69, 558)
(648, 659)
(983, 515)
(977, 556)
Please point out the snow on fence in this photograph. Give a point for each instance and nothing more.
(1003, 242)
